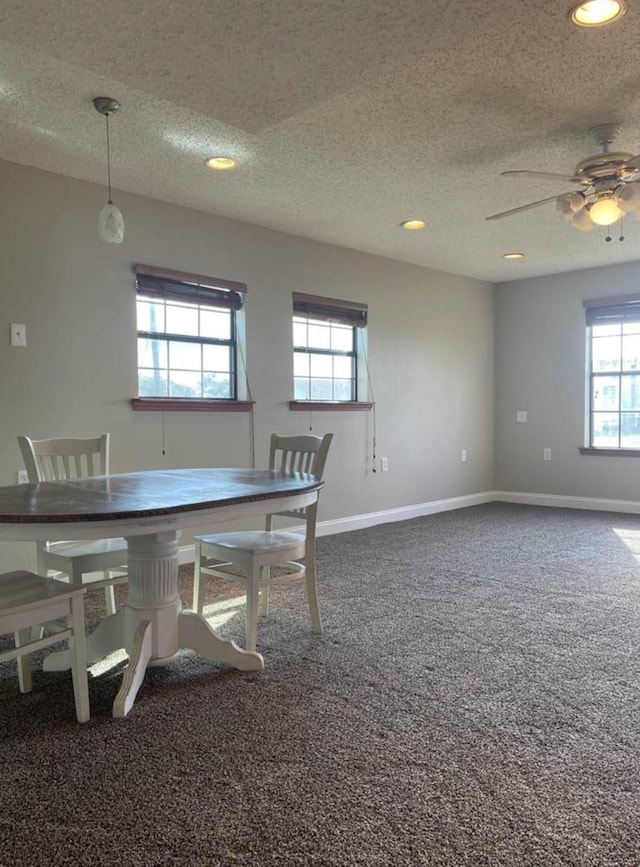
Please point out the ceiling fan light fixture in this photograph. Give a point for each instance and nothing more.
(628, 199)
(605, 211)
(582, 222)
(567, 207)
(413, 225)
(597, 13)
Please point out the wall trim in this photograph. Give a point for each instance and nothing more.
(361, 522)
(402, 513)
(561, 501)
(419, 510)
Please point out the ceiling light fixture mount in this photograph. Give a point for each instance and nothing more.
(221, 163)
(597, 13)
(110, 220)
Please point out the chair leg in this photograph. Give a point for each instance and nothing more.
(199, 579)
(78, 649)
(253, 592)
(312, 590)
(23, 636)
(264, 593)
(110, 598)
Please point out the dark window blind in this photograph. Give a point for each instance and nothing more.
(194, 288)
(330, 310)
(610, 311)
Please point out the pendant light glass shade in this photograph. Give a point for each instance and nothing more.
(111, 225)
(110, 220)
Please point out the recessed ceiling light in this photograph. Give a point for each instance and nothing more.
(513, 255)
(221, 163)
(413, 224)
(596, 13)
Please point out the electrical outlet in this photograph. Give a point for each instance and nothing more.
(22, 476)
(18, 334)
(463, 456)
(384, 465)
(546, 454)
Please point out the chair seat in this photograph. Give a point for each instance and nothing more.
(84, 549)
(255, 542)
(28, 601)
(22, 590)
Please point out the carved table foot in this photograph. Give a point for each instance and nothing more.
(196, 634)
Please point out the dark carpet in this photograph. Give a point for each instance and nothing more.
(474, 701)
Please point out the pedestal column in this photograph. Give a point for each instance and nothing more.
(153, 592)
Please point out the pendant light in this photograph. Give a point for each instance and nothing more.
(110, 221)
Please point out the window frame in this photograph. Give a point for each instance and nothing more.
(200, 292)
(320, 309)
(616, 310)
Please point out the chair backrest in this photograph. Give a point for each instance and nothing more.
(65, 457)
(302, 454)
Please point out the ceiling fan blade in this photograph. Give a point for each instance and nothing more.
(633, 163)
(552, 176)
(524, 207)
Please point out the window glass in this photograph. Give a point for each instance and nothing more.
(341, 338)
(606, 353)
(324, 360)
(215, 324)
(614, 350)
(319, 335)
(182, 319)
(200, 367)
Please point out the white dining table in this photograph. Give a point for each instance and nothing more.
(151, 509)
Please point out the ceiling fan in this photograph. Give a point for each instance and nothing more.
(608, 186)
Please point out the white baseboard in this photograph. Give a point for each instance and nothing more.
(361, 522)
(598, 504)
(404, 513)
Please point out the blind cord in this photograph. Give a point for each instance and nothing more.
(373, 400)
(252, 425)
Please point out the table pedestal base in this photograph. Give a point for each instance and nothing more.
(153, 627)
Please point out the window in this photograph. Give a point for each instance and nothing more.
(187, 338)
(614, 373)
(328, 343)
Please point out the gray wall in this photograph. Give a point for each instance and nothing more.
(431, 345)
(540, 367)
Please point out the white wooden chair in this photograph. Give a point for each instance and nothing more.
(255, 552)
(27, 601)
(66, 458)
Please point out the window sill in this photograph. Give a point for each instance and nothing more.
(609, 452)
(329, 406)
(187, 404)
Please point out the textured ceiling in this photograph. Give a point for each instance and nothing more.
(345, 117)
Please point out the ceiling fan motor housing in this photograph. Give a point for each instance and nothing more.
(603, 165)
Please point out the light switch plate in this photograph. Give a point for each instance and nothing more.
(521, 416)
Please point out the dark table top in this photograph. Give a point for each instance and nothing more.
(146, 494)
